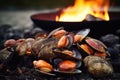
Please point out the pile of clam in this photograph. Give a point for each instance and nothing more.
(60, 51)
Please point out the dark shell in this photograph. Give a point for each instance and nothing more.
(36, 47)
(96, 44)
(4, 54)
(60, 56)
(9, 59)
(84, 32)
(55, 30)
(61, 73)
(71, 40)
(45, 52)
(84, 52)
(45, 73)
(76, 56)
(55, 61)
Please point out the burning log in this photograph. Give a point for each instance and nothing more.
(92, 18)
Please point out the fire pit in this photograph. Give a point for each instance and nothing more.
(47, 22)
(95, 19)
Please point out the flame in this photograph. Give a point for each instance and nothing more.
(81, 8)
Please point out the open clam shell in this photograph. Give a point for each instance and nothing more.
(96, 44)
(60, 56)
(84, 49)
(55, 30)
(55, 62)
(83, 33)
(75, 56)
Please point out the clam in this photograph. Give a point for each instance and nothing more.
(67, 66)
(100, 49)
(55, 61)
(39, 36)
(93, 46)
(63, 42)
(29, 42)
(45, 73)
(69, 54)
(66, 41)
(9, 59)
(21, 47)
(81, 35)
(73, 55)
(57, 33)
(36, 47)
(98, 66)
(96, 44)
(85, 48)
(70, 37)
(89, 60)
(43, 49)
(43, 65)
(67, 73)
(4, 54)
(24, 46)
(10, 43)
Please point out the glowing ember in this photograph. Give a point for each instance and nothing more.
(81, 8)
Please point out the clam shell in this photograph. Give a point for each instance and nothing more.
(45, 73)
(83, 32)
(71, 40)
(46, 52)
(98, 66)
(96, 44)
(62, 55)
(4, 54)
(100, 70)
(52, 32)
(85, 51)
(61, 73)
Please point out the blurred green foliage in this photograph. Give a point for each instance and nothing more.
(40, 4)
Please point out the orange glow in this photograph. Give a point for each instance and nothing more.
(81, 8)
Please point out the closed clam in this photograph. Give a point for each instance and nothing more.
(43, 49)
(98, 66)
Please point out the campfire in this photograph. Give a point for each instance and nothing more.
(82, 8)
